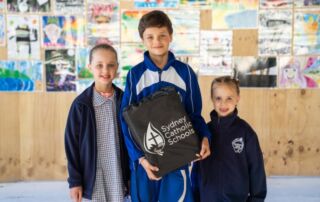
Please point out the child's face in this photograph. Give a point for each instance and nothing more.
(104, 67)
(225, 99)
(157, 40)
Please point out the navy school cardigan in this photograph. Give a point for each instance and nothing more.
(81, 144)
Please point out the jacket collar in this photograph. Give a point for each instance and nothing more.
(150, 64)
(223, 121)
(86, 96)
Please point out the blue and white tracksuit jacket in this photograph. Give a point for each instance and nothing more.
(143, 80)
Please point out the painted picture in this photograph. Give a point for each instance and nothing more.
(215, 53)
(60, 70)
(276, 3)
(129, 25)
(197, 3)
(299, 72)
(21, 76)
(256, 72)
(307, 3)
(186, 29)
(69, 7)
(233, 14)
(103, 23)
(85, 77)
(156, 3)
(131, 54)
(306, 33)
(275, 32)
(62, 31)
(23, 37)
(2, 30)
(192, 61)
(23, 6)
(1, 5)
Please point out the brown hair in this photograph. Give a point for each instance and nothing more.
(104, 47)
(154, 18)
(228, 80)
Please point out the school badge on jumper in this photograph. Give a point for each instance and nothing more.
(238, 145)
(154, 141)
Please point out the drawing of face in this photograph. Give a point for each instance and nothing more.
(53, 32)
(23, 5)
(291, 71)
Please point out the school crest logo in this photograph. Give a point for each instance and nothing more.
(238, 145)
(154, 141)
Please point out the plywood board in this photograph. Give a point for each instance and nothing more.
(245, 42)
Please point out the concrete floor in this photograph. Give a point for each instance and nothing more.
(280, 189)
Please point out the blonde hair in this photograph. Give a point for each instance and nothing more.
(228, 80)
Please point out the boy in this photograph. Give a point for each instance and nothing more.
(160, 69)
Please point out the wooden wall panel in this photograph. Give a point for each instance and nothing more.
(9, 137)
(245, 42)
(43, 154)
(205, 17)
(3, 53)
(295, 132)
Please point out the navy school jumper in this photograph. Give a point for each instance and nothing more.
(81, 145)
(234, 172)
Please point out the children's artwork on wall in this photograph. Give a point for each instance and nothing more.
(82, 62)
(1, 5)
(2, 31)
(62, 31)
(129, 25)
(23, 37)
(275, 32)
(256, 71)
(299, 72)
(306, 33)
(276, 3)
(193, 62)
(85, 77)
(23, 6)
(192, 3)
(103, 23)
(21, 75)
(131, 54)
(156, 3)
(186, 33)
(83, 84)
(60, 70)
(306, 3)
(215, 53)
(233, 14)
(69, 7)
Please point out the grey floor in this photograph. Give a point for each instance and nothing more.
(280, 189)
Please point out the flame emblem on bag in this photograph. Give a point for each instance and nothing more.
(154, 141)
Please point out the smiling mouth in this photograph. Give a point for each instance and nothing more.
(105, 77)
(223, 110)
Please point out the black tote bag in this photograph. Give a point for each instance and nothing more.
(161, 127)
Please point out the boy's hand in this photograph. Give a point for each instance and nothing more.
(149, 168)
(76, 194)
(205, 149)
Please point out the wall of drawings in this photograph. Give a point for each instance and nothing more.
(44, 44)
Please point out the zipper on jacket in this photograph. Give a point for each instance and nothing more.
(160, 72)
